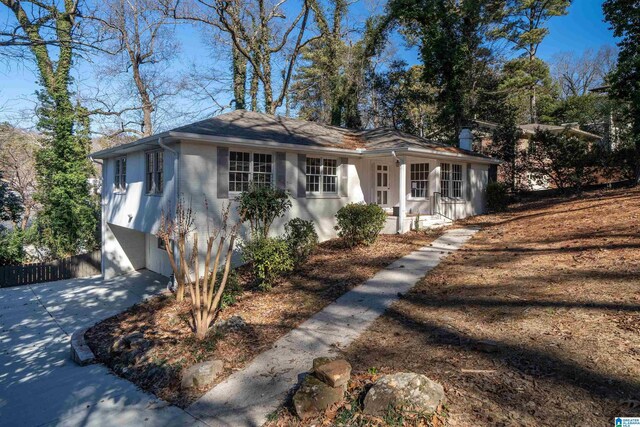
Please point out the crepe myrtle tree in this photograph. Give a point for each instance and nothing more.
(205, 290)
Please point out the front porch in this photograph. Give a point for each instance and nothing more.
(409, 189)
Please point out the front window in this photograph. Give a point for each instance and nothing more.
(451, 180)
(154, 169)
(419, 175)
(120, 174)
(246, 168)
(322, 175)
(456, 181)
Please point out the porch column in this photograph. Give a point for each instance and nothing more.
(402, 194)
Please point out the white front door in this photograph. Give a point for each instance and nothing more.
(382, 184)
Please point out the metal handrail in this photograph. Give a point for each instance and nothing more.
(435, 206)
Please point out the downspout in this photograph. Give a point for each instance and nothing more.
(103, 224)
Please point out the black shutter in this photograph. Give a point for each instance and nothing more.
(223, 173)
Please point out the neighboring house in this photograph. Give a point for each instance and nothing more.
(525, 180)
(322, 167)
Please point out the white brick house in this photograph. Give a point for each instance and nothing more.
(322, 167)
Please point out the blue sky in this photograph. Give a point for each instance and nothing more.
(580, 29)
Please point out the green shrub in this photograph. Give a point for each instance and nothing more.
(360, 223)
(232, 289)
(12, 247)
(269, 258)
(497, 197)
(261, 205)
(301, 238)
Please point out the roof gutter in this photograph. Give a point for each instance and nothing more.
(432, 153)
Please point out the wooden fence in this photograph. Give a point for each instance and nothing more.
(77, 266)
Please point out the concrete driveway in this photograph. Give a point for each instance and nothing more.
(40, 385)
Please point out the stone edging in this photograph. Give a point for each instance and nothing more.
(80, 351)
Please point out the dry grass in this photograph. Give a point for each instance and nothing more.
(535, 322)
(331, 271)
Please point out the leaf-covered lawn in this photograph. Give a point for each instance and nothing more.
(535, 322)
(330, 271)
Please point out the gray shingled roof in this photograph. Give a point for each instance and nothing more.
(252, 126)
(264, 127)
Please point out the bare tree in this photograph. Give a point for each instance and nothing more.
(259, 33)
(577, 74)
(47, 29)
(17, 163)
(141, 45)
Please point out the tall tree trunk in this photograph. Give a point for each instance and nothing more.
(253, 90)
(269, 106)
(239, 78)
(145, 98)
(533, 115)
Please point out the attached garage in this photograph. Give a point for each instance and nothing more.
(127, 250)
(157, 259)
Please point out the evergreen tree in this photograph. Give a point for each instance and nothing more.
(524, 26)
(624, 17)
(452, 36)
(521, 76)
(400, 99)
(68, 218)
(329, 84)
(10, 204)
(67, 221)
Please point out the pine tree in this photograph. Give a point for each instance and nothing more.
(451, 36)
(624, 17)
(524, 26)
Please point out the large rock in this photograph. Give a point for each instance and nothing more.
(201, 374)
(334, 373)
(403, 391)
(314, 397)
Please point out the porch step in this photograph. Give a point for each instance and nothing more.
(426, 222)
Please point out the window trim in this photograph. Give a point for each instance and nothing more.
(428, 180)
(321, 194)
(120, 179)
(155, 170)
(450, 182)
(251, 164)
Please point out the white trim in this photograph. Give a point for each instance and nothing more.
(154, 191)
(116, 188)
(450, 198)
(410, 197)
(402, 189)
(321, 194)
(251, 171)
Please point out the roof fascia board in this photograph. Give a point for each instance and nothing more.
(432, 154)
(131, 146)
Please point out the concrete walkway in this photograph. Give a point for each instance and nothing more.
(39, 385)
(248, 396)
